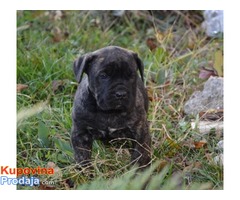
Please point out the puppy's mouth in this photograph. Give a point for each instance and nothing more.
(114, 106)
(120, 105)
(118, 100)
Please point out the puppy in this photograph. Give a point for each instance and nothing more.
(110, 103)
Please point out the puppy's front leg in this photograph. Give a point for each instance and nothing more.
(141, 153)
(82, 145)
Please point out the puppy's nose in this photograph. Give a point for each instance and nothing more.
(121, 94)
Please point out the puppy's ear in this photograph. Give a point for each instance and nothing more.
(80, 65)
(139, 65)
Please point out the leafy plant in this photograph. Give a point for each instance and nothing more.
(173, 52)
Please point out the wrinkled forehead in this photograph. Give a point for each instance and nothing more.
(118, 57)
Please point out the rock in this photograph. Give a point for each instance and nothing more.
(213, 23)
(218, 160)
(210, 98)
(118, 13)
(205, 127)
(220, 145)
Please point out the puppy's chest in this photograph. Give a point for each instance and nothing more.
(110, 126)
(109, 132)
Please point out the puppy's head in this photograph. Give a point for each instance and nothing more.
(112, 76)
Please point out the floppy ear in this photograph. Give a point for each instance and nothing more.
(139, 65)
(79, 66)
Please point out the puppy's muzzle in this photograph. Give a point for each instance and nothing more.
(119, 95)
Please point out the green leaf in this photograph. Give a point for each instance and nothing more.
(64, 146)
(43, 134)
(62, 158)
(160, 55)
(218, 62)
(160, 78)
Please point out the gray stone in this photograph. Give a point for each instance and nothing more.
(220, 145)
(218, 160)
(210, 98)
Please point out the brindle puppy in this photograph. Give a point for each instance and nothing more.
(110, 103)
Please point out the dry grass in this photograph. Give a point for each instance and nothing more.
(48, 44)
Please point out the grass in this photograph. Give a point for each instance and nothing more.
(47, 45)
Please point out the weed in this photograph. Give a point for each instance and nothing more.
(46, 48)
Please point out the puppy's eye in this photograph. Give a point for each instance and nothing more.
(103, 75)
(129, 74)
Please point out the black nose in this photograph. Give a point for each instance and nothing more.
(121, 94)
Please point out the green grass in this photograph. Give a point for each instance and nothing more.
(46, 50)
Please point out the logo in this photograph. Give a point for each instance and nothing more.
(25, 171)
(32, 181)
(24, 176)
